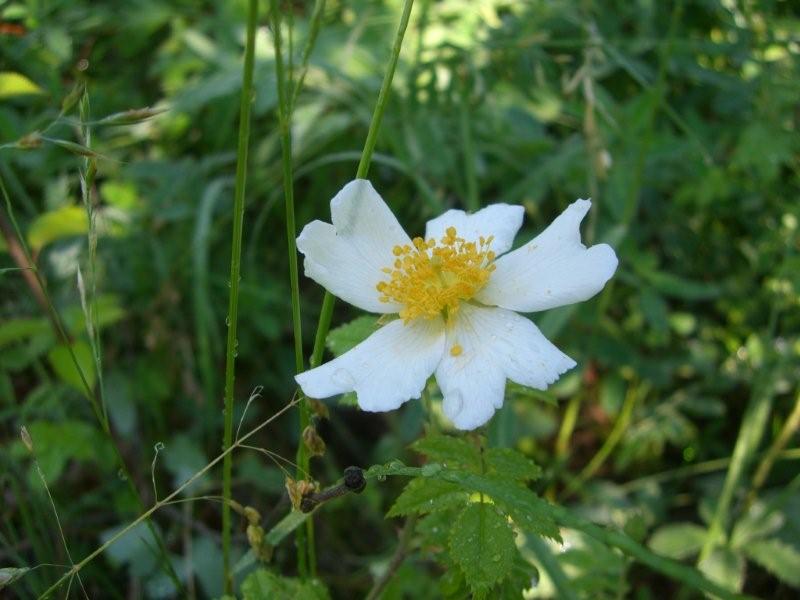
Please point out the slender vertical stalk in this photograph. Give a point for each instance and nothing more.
(102, 419)
(313, 32)
(87, 177)
(752, 429)
(383, 95)
(363, 168)
(765, 466)
(552, 567)
(306, 563)
(614, 437)
(233, 304)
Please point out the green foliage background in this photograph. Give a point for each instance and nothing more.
(679, 120)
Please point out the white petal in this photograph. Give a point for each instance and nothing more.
(500, 220)
(496, 344)
(347, 257)
(388, 368)
(551, 270)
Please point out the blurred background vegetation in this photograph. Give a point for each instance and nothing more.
(679, 120)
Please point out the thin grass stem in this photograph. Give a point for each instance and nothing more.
(313, 32)
(233, 304)
(751, 431)
(614, 437)
(329, 301)
(306, 559)
(63, 337)
(168, 499)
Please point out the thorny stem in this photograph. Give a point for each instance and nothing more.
(233, 304)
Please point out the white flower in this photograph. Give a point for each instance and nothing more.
(455, 298)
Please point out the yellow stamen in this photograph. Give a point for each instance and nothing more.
(433, 278)
(456, 350)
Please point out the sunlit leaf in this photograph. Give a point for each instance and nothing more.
(15, 84)
(777, 557)
(64, 222)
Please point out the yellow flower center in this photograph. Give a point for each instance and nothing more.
(433, 278)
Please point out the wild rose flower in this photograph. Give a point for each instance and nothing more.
(456, 292)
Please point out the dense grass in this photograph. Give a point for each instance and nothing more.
(677, 429)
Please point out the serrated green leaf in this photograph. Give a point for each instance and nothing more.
(757, 524)
(482, 544)
(523, 575)
(9, 575)
(777, 557)
(678, 540)
(725, 567)
(435, 529)
(448, 450)
(423, 495)
(511, 464)
(263, 585)
(529, 512)
(349, 335)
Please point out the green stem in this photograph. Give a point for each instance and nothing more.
(363, 168)
(608, 446)
(233, 304)
(611, 537)
(667, 566)
(701, 468)
(305, 560)
(750, 433)
(562, 442)
(313, 31)
(61, 334)
(787, 431)
(552, 567)
(166, 501)
(383, 95)
(567, 427)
